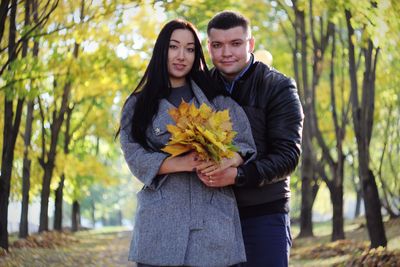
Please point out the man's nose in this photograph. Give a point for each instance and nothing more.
(226, 51)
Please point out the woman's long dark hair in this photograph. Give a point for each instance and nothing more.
(155, 84)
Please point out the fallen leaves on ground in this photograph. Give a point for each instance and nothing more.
(84, 248)
(332, 249)
(3, 252)
(45, 240)
(359, 252)
(379, 257)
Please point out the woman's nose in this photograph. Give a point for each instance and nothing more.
(181, 54)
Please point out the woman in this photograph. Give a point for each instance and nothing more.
(180, 220)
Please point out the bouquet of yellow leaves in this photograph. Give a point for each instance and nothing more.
(207, 132)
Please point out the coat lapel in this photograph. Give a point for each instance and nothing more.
(199, 96)
(162, 118)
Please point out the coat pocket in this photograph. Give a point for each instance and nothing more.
(148, 196)
(223, 203)
(218, 239)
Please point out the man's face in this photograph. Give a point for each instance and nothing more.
(230, 50)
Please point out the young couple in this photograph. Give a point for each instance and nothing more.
(191, 213)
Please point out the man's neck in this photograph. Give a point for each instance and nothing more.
(230, 81)
(232, 78)
(228, 78)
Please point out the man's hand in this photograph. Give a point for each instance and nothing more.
(210, 168)
(219, 178)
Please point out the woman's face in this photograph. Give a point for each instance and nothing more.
(181, 54)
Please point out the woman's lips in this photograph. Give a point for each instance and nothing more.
(179, 66)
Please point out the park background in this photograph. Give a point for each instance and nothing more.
(66, 68)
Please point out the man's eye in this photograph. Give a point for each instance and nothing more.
(216, 45)
(236, 43)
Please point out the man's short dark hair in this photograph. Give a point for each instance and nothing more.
(228, 19)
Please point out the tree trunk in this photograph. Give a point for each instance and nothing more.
(93, 213)
(26, 169)
(356, 186)
(104, 221)
(119, 217)
(373, 213)
(44, 196)
(358, 203)
(307, 167)
(336, 192)
(24, 231)
(10, 132)
(58, 205)
(307, 174)
(58, 119)
(3, 16)
(370, 190)
(363, 121)
(48, 166)
(76, 216)
(59, 191)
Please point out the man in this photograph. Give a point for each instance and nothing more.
(272, 105)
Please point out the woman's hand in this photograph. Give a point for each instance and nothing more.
(185, 163)
(189, 161)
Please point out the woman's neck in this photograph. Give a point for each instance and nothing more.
(177, 82)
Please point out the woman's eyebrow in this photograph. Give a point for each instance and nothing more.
(191, 43)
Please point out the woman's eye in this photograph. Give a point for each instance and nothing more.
(191, 50)
(172, 46)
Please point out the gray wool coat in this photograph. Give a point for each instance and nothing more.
(179, 220)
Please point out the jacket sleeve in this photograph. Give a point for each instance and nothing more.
(143, 164)
(244, 139)
(284, 133)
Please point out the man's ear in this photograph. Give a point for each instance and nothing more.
(252, 42)
(208, 45)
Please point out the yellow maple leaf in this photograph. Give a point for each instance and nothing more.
(205, 111)
(176, 149)
(193, 111)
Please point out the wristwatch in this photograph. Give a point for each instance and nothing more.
(240, 179)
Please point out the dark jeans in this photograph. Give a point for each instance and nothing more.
(267, 240)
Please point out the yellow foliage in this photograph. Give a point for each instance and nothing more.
(203, 130)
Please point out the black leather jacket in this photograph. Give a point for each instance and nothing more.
(272, 104)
